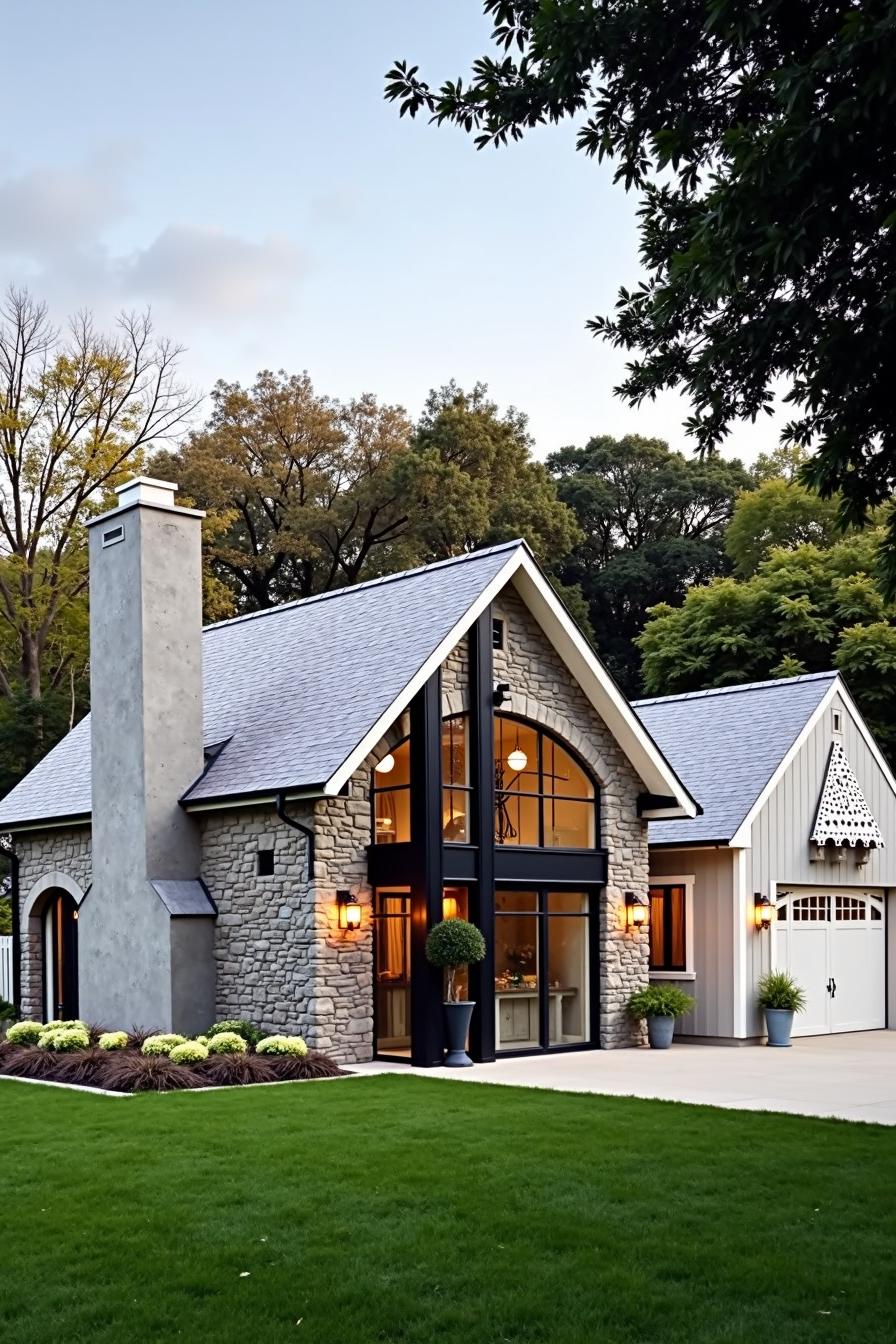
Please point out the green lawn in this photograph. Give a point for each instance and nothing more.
(402, 1209)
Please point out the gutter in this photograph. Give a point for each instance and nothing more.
(297, 826)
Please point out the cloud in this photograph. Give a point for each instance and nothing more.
(54, 229)
(213, 273)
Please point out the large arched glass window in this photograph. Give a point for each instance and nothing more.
(543, 797)
(391, 790)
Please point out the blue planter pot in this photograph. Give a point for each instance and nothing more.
(779, 1024)
(660, 1031)
(457, 1026)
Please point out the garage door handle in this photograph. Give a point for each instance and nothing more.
(831, 986)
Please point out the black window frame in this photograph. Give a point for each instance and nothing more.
(377, 789)
(668, 965)
(544, 734)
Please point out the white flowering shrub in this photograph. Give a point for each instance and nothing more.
(62, 1039)
(25, 1033)
(65, 1022)
(282, 1045)
(162, 1044)
(113, 1040)
(189, 1052)
(227, 1043)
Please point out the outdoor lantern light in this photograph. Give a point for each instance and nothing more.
(636, 910)
(349, 910)
(763, 911)
(385, 765)
(449, 907)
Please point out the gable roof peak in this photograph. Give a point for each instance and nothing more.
(771, 684)
(519, 543)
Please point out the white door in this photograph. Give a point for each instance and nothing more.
(832, 943)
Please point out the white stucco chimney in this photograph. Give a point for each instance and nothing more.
(141, 960)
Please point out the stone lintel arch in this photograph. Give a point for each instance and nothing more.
(34, 902)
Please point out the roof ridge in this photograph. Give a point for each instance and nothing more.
(742, 686)
(370, 583)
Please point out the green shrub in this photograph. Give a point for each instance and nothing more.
(7, 1010)
(65, 1038)
(113, 1040)
(660, 1001)
(203, 1040)
(451, 944)
(25, 1033)
(227, 1043)
(238, 1025)
(190, 1052)
(281, 1045)
(778, 989)
(162, 1044)
(65, 1022)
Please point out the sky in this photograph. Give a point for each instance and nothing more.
(235, 167)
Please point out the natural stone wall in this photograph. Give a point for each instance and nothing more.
(543, 690)
(42, 856)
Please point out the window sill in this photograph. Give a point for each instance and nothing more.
(673, 975)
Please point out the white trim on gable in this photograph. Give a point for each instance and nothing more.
(648, 761)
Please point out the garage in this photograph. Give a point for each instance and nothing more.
(833, 944)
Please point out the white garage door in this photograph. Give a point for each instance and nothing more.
(832, 942)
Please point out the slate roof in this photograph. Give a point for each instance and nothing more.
(184, 896)
(291, 691)
(726, 744)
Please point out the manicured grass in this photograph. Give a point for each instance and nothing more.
(401, 1209)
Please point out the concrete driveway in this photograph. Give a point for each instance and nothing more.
(852, 1077)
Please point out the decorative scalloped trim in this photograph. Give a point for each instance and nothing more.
(843, 816)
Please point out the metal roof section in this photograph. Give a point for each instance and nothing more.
(184, 897)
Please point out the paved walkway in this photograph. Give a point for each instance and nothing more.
(849, 1076)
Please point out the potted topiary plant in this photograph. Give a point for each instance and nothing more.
(779, 997)
(451, 945)
(660, 1005)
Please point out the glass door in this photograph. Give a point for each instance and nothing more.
(542, 969)
(392, 962)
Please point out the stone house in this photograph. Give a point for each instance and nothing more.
(265, 817)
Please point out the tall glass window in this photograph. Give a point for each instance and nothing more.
(542, 969)
(543, 797)
(456, 792)
(392, 953)
(391, 788)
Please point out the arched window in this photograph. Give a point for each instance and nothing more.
(391, 789)
(543, 796)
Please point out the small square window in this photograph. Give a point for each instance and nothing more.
(497, 634)
(838, 721)
(265, 863)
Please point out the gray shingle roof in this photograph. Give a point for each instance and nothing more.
(294, 689)
(181, 897)
(726, 744)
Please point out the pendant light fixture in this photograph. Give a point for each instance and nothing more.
(517, 759)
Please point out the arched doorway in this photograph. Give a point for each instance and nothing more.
(60, 959)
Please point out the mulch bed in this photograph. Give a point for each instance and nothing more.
(127, 1070)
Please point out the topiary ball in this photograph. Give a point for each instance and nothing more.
(113, 1040)
(454, 942)
(189, 1052)
(226, 1043)
(162, 1044)
(282, 1045)
(25, 1033)
(249, 1032)
(62, 1039)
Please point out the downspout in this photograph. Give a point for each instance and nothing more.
(297, 826)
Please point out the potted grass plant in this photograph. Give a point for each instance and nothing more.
(779, 996)
(452, 945)
(660, 1005)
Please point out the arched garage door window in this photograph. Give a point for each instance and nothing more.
(60, 939)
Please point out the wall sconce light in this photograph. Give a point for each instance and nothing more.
(637, 911)
(763, 911)
(501, 693)
(449, 907)
(349, 910)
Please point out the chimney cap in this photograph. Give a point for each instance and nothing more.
(151, 493)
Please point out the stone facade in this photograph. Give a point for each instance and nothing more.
(281, 958)
(47, 860)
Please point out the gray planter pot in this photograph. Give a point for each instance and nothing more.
(457, 1026)
(660, 1031)
(778, 1024)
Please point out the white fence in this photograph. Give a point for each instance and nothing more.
(6, 967)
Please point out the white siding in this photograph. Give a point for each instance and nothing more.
(712, 933)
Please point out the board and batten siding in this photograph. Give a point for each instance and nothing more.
(779, 855)
(711, 935)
